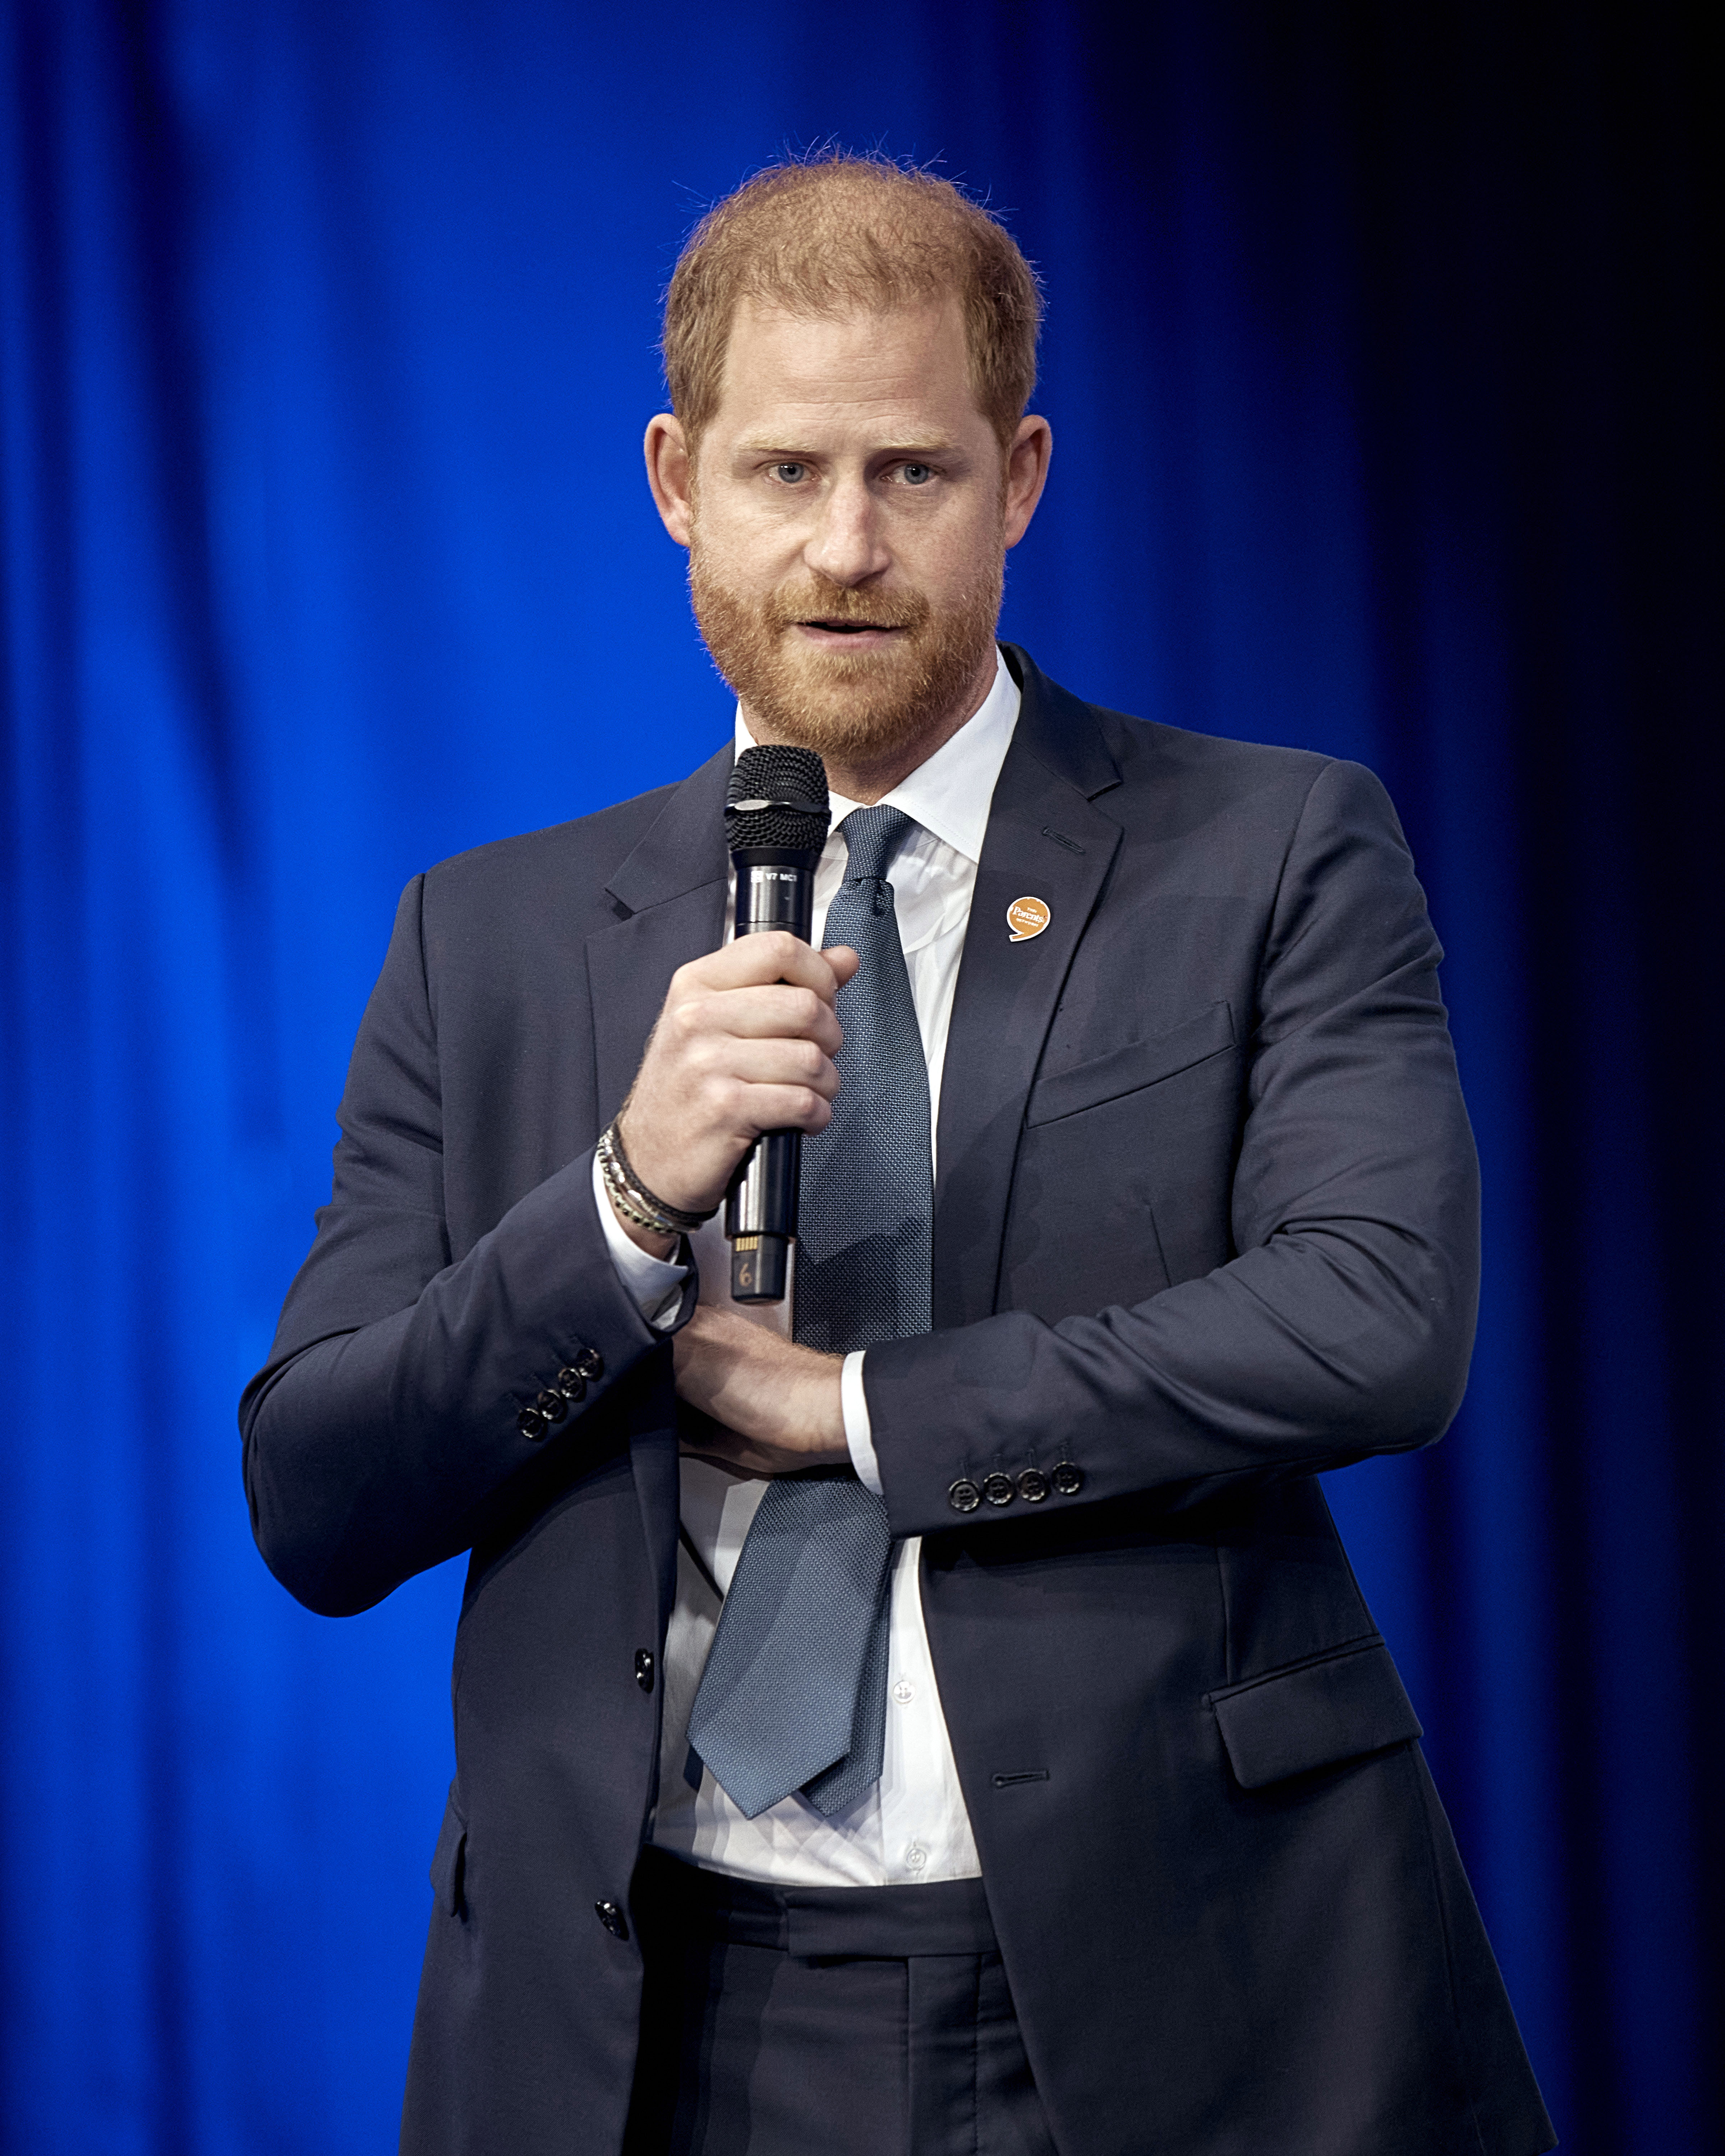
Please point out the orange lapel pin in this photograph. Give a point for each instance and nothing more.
(1027, 917)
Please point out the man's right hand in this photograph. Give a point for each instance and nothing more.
(744, 1044)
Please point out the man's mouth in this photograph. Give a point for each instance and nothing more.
(851, 628)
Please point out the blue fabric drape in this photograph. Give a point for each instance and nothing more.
(1385, 426)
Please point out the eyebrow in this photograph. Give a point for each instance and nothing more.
(763, 447)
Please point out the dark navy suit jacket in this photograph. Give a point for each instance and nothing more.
(1206, 1225)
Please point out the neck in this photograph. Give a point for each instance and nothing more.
(866, 779)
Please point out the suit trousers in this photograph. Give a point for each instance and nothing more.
(849, 2021)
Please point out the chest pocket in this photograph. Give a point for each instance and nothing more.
(1120, 1186)
(1129, 1070)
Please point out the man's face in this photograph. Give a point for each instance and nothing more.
(849, 513)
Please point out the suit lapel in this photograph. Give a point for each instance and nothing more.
(670, 894)
(1045, 841)
(670, 891)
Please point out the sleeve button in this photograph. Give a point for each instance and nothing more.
(1033, 1486)
(571, 1384)
(552, 1405)
(531, 1423)
(613, 1918)
(963, 1496)
(998, 1489)
(644, 1668)
(590, 1364)
(1067, 1479)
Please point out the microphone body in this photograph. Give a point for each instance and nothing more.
(776, 817)
(775, 889)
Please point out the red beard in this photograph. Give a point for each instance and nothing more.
(862, 707)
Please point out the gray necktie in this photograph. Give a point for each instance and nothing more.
(794, 1692)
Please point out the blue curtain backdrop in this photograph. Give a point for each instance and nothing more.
(1385, 426)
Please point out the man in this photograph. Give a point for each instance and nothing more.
(996, 1753)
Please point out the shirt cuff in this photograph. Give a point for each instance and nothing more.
(859, 1435)
(655, 1283)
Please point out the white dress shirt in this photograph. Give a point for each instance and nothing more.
(912, 1827)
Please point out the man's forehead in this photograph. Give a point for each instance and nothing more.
(866, 361)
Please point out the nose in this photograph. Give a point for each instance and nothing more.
(848, 544)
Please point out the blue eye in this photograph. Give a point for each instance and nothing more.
(790, 474)
(917, 474)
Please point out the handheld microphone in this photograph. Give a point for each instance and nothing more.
(776, 817)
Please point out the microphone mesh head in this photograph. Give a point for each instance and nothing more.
(778, 797)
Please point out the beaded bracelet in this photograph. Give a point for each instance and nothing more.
(634, 1199)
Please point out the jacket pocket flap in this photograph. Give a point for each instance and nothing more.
(1316, 1715)
(1140, 1062)
(448, 1859)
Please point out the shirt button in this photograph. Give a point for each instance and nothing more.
(904, 1691)
(916, 1856)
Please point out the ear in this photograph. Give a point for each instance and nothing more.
(1026, 473)
(668, 472)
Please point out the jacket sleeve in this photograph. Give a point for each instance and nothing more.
(1343, 1325)
(382, 1436)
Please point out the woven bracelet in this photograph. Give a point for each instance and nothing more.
(632, 1197)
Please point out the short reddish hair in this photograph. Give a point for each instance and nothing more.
(829, 234)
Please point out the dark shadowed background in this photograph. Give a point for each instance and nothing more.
(1385, 426)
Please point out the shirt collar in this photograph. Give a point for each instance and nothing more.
(950, 794)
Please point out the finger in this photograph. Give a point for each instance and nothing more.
(843, 960)
(788, 1108)
(776, 955)
(799, 1063)
(740, 1108)
(759, 1014)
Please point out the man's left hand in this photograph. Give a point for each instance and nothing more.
(778, 1403)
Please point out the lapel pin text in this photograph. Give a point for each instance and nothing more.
(1027, 917)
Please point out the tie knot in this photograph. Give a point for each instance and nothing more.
(873, 836)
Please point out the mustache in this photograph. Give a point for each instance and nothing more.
(816, 598)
